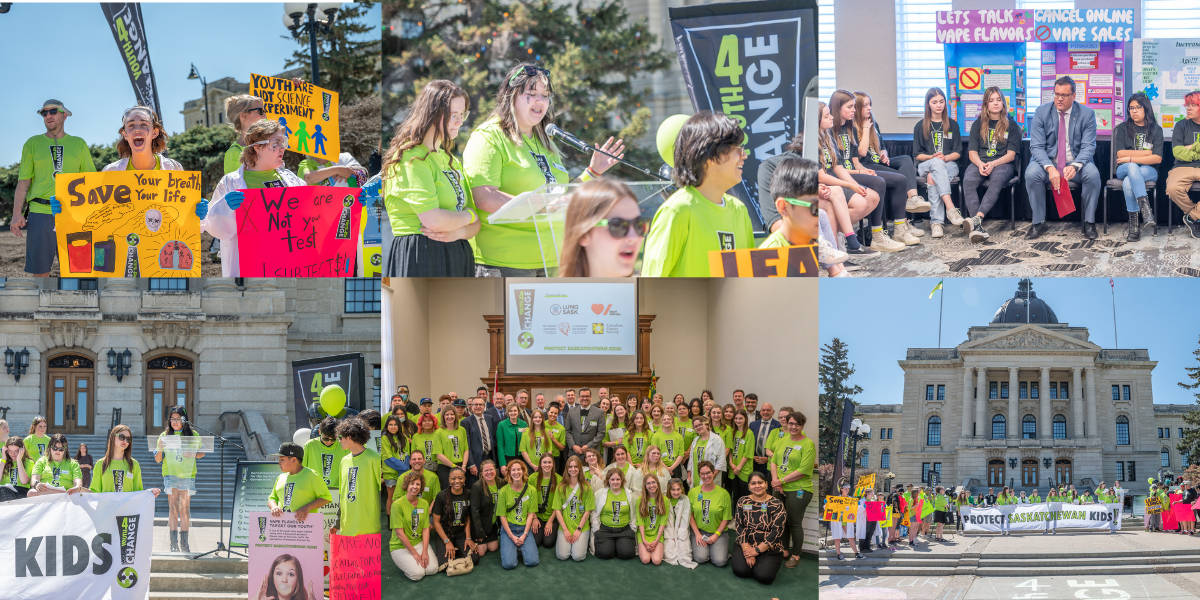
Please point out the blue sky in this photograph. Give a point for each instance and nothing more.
(880, 318)
(66, 51)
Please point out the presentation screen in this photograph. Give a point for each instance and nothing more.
(570, 327)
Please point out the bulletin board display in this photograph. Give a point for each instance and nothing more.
(1098, 69)
(973, 68)
(1166, 70)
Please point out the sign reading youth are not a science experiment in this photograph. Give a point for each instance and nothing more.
(81, 546)
(287, 556)
(303, 231)
(308, 114)
(128, 224)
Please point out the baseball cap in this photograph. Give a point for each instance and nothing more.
(426, 400)
(460, 402)
(291, 449)
(52, 103)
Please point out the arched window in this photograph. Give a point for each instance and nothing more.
(885, 459)
(933, 432)
(999, 430)
(1165, 455)
(1122, 430)
(1028, 427)
(865, 461)
(1060, 427)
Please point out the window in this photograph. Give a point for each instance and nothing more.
(937, 468)
(1131, 468)
(1122, 430)
(1060, 427)
(78, 283)
(924, 472)
(885, 459)
(1164, 457)
(941, 393)
(993, 390)
(1170, 19)
(376, 385)
(1180, 433)
(1125, 393)
(865, 460)
(999, 431)
(1033, 390)
(1116, 392)
(867, 436)
(1004, 390)
(362, 295)
(1054, 390)
(929, 393)
(1033, 58)
(1121, 471)
(933, 433)
(1028, 427)
(826, 56)
(1064, 391)
(168, 284)
(1023, 392)
(919, 58)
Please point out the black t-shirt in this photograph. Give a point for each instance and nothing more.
(984, 141)
(847, 144)
(1186, 133)
(1128, 136)
(872, 156)
(453, 509)
(942, 139)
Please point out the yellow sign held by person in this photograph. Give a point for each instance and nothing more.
(865, 482)
(840, 508)
(1153, 505)
(308, 114)
(128, 224)
(789, 261)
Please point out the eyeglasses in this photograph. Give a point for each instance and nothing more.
(273, 144)
(812, 206)
(124, 437)
(619, 228)
(528, 71)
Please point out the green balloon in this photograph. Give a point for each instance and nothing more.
(668, 132)
(333, 399)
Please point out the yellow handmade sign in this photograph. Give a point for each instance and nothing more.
(865, 482)
(128, 224)
(308, 114)
(789, 261)
(1153, 505)
(840, 508)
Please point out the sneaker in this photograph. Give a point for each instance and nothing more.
(935, 230)
(915, 231)
(1193, 226)
(862, 252)
(853, 266)
(901, 234)
(978, 235)
(882, 243)
(953, 215)
(917, 204)
(842, 273)
(829, 254)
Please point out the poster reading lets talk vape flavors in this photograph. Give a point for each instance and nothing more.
(308, 114)
(128, 224)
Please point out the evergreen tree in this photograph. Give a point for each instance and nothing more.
(591, 51)
(834, 374)
(347, 57)
(1189, 445)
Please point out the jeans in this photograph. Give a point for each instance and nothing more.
(575, 551)
(1133, 182)
(1037, 182)
(795, 504)
(1179, 181)
(508, 550)
(942, 172)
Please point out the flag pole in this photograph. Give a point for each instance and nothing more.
(1113, 286)
(941, 301)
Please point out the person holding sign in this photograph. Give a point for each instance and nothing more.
(118, 471)
(1185, 146)
(1062, 140)
(603, 232)
(14, 470)
(937, 144)
(142, 143)
(409, 544)
(42, 157)
(242, 111)
(511, 153)
(995, 140)
(1138, 142)
(516, 506)
(56, 472)
(179, 475)
(262, 167)
(298, 489)
(358, 480)
(427, 197)
(700, 217)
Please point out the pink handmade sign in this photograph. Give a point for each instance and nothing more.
(304, 231)
(875, 511)
(355, 567)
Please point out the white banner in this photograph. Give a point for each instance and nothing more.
(983, 519)
(77, 546)
(1040, 517)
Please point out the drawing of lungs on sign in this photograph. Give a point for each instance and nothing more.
(175, 256)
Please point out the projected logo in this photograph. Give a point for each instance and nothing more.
(564, 328)
(598, 328)
(524, 299)
(525, 340)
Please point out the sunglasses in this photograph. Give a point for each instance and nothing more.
(812, 206)
(58, 448)
(619, 228)
(123, 437)
(528, 71)
(49, 111)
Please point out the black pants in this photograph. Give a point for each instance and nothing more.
(897, 191)
(737, 488)
(874, 182)
(996, 182)
(458, 539)
(615, 543)
(766, 565)
(795, 506)
(546, 541)
(864, 544)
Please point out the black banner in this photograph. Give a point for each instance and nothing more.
(843, 448)
(751, 61)
(125, 20)
(310, 376)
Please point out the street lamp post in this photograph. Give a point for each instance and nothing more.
(321, 16)
(858, 431)
(195, 74)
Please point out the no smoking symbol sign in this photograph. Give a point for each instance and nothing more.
(968, 79)
(1042, 33)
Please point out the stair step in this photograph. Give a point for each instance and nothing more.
(197, 595)
(162, 565)
(206, 582)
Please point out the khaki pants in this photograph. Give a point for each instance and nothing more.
(1179, 180)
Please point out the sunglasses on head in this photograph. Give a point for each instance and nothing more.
(619, 228)
(49, 111)
(529, 71)
(812, 206)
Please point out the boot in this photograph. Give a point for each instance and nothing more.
(183, 541)
(1133, 233)
(1147, 212)
(880, 242)
(901, 234)
(174, 541)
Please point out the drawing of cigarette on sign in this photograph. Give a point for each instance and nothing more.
(308, 113)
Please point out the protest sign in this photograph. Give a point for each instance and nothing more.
(370, 245)
(840, 508)
(253, 483)
(876, 512)
(865, 482)
(128, 224)
(1038, 517)
(308, 114)
(789, 261)
(1153, 505)
(77, 546)
(303, 231)
(329, 515)
(1051, 25)
(983, 519)
(355, 567)
(285, 558)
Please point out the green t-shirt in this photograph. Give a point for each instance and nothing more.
(157, 164)
(517, 506)
(492, 159)
(742, 446)
(432, 485)
(652, 522)
(617, 510)
(420, 182)
(180, 462)
(412, 520)
(636, 444)
(710, 508)
(262, 179)
(670, 444)
(43, 157)
(791, 456)
(120, 476)
(453, 443)
(559, 433)
(776, 437)
(293, 491)
(776, 240)
(429, 443)
(310, 164)
(697, 458)
(58, 474)
(359, 492)
(573, 503)
(36, 446)
(233, 157)
(546, 491)
(536, 445)
(390, 452)
(1034, 499)
(13, 477)
(324, 460)
(941, 502)
(687, 227)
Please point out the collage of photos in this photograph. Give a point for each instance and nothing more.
(521, 299)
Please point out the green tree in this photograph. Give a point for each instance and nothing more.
(1189, 445)
(591, 50)
(104, 154)
(348, 58)
(203, 149)
(833, 374)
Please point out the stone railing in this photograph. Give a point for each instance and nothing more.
(932, 354)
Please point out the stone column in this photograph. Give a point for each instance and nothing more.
(1076, 403)
(966, 403)
(981, 403)
(1047, 426)
(1014, 421)
(1093, 428)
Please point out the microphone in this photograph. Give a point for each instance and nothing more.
(567, 138)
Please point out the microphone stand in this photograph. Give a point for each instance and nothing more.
(221, 517)
(592, 148)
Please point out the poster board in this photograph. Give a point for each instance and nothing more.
(1166, 70)
(972, 68)
(284, 541)
(370, 244)
(308, 114)
(865, 482)
(1098, 69)
(253, 483)
(840, 508)
(301, 231)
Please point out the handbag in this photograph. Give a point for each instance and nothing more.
(458, 566)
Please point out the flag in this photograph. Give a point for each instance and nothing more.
(935, 289)
(1112, 284)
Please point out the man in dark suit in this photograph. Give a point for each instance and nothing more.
(585, 425)
(497, 408)
(1062, 140)
(762, 429)
(481, 437)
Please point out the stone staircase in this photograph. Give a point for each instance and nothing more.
(203, 579)
(906, 563)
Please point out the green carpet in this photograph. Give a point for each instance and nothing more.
(599, 579)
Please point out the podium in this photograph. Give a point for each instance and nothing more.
(546, 210)
(179, 447)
